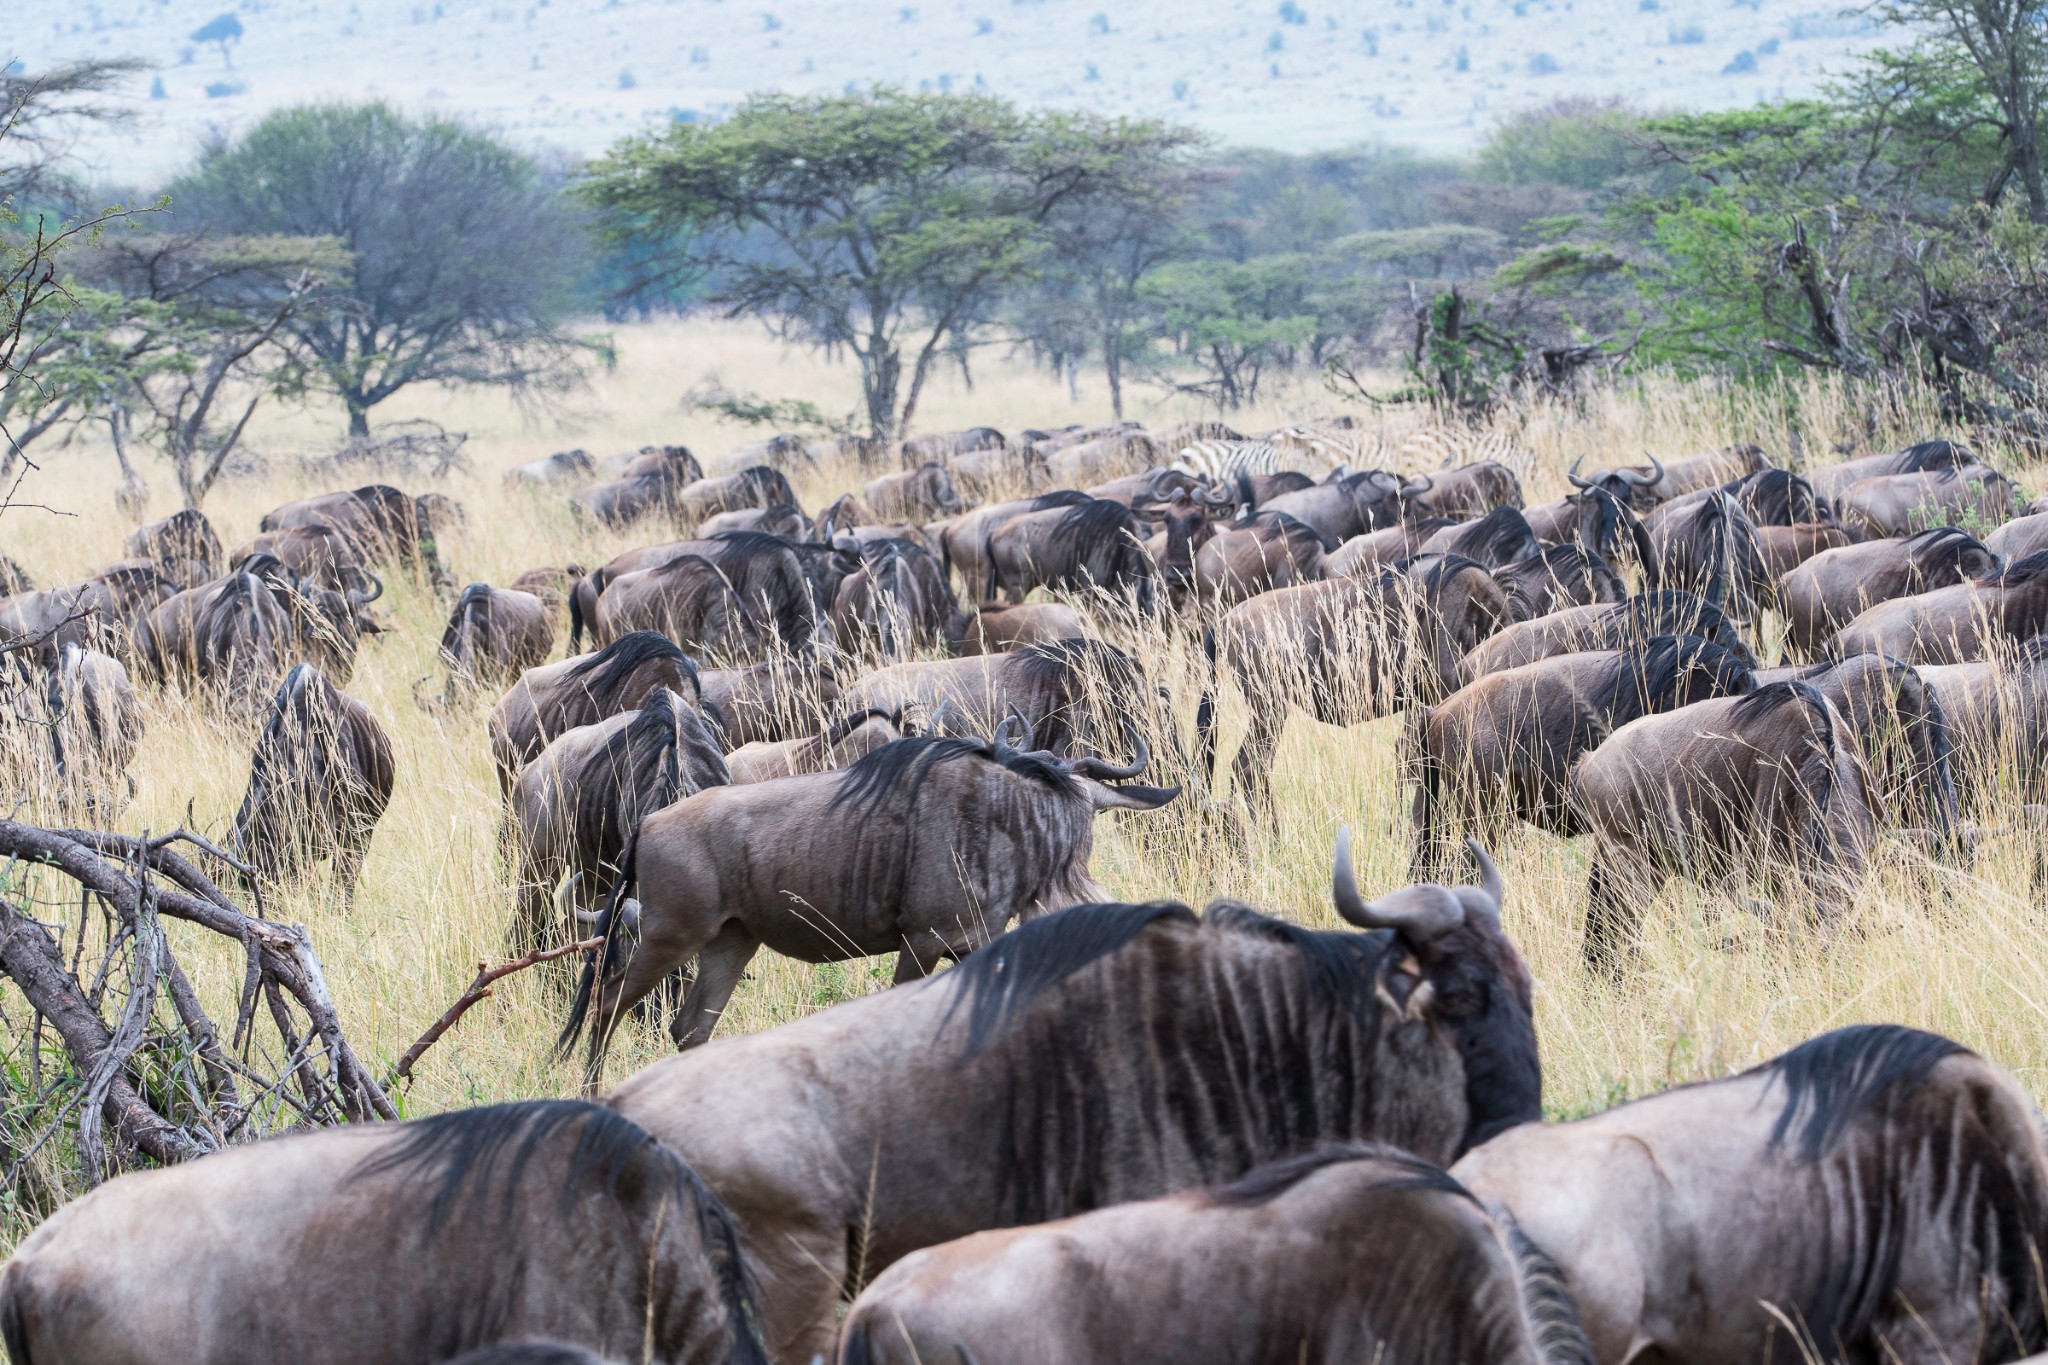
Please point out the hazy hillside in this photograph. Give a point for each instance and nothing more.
(1298, 74)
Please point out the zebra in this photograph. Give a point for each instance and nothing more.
(1223, 461)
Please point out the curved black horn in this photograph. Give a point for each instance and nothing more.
(1418, 913)
(1639, 479)
(1572, 474)
(1415, 488)
(1023, 729)
(380, 588)
(1094, 767)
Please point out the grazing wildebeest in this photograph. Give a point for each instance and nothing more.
(1560, 576)
(1877, 1193)
(556, 698)
(1467, 492)
(944, 445)
(774, 700)
(1501, 748)
(1768, 785)
(183, 542)
(1354, 1252)
(759, 486)
(1900, 504)
(1265, 551)
(242, 630)
(551, 1218)
(1094, 544)
(775, 582)
(2020, 537)
(552, 586)
(1053, 1069)
(95, 725)
(1709, 548)
(319, 781)
(1346, 650)
(1970, 620)
(1364, 555)
(496, 634)
(105, 612)
(1896, 723)
(916, 495)
(993, 627)
(963, 540)
(1617, 625)
(926, 848)
(574, 807)
(1831, 480)
(318, 554)
(1496, 538)
(621, 502)
(1344, 505)
(385, 525)
(1057, 687)
(784, 519)
(1785, 548)
(685, 598)
(899, 601)
(1107, 457)
(1828, 591)
(851, 737)
(1997, 714)
(562, 467)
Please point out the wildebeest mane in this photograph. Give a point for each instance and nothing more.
(998, 982)
(1553, 1313)
(1939, 550)
(1279, 525)
(1342, 966)
(903, 765)
(455, 1159)
(1060, 497)
(1833, 1080)
(663, 754)
(606, 671)
(1775, 497)
(1098, 521)
(1671, 611)
(456, 634)
(1672, 670)
(1500, 537)
(2018, 573)
(766, 483)
(1266, 1183)
(1926, 456)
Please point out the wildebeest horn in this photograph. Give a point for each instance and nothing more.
(1418, 913)
(1022, 730)
(365, 601)
(1217, 495)
(1094, 767)
(1572, 474)
(1489, 876)
(1640, 480)
(1415, 488)
(937, 717)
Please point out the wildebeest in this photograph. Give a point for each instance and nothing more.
(1354, 1252)
(963, 540)
(1785, 548)
(1768, 497)
(846, 740)
(2020, 537)
(759, 486)
(1346, 650)
(1878, 1192)
(1969, 620)
(1764, 785)
(319, 554)
(1695, 472)
(1559, 576)
(1149, 485)
(1496, 538)
(899, 601)
(551, 1219)
(1502, 747)
(771, 577)
(1709, 548)
(1896, 723)
(183, 542)
(977, 473)
(319, 781)
(241, 631)
(573, 808)
(1186, 519)
(1900, 504)
(556, 698)
(944, 445)
(1364, 555)
(1832, 480)
(1468, 492)
(1997, 715)
(552, 586)
(776, 699)
(385, 525)
(926, 848)
(916, 495)
(1265, 551)
(104, 612)
(1833, 588)
(784, 519)
(1107, 457)
(95, 725)
(1057, 687)
(1054, 1069)
(1617, 625)
(994, 627)
(1094, 544)
(562, 467)
(1344, 505)
(495, 634)
(685, 598)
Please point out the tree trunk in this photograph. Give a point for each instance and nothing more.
(881, 368)
(358, 422)
(1113, 372)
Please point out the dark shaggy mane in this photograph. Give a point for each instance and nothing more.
(998, 982)
(744, 544)
(1098, 521)
(1833, 1080)
(1064, 497)
(2019, 572)
(667, 751)
(1052, 664)
(1672, 611)
(1762, 701)
(1925, 456)
(767, 483)
(1673, 670)
(452, 635)
(1342, 966)
(604, 672)
(1501, 536)
(1939, 551)
(1546, 1298)
(1776, 497)
(1266, 1183)
(904, 764)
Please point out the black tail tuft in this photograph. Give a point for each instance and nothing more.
(13, 1332)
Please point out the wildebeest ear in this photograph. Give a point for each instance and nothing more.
(1105, 797)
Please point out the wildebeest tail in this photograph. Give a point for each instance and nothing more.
(13, 1331)
(577, 624)
(456, 639)
(1548, 1308)
(602, 962)
(1428, 776)
(1205, 709)
(854, 1348)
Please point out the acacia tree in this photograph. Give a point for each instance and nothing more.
(883, 223)
(462, 259)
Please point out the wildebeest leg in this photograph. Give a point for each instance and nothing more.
(801, 1272)
(720, 964)
(349, 852)
(1614, 901)
(1252, 768)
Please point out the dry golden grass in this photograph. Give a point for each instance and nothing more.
(1963, 953)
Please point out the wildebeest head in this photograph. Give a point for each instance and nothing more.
(1185, 517)
(182, 537)
(1635, 489)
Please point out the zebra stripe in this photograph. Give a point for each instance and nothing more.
(1226, 460)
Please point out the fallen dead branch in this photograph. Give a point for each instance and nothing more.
(480, 990)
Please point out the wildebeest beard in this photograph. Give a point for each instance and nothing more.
(1179, 1059)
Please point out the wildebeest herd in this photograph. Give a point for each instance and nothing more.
(1111, 1131)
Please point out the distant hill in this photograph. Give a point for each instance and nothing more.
(579, 73)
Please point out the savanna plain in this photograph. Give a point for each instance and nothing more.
(1960, 950)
